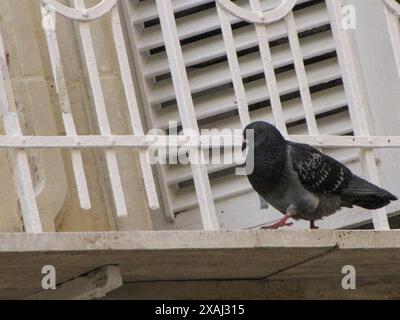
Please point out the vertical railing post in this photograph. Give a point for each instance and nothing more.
(22, 174)
(269, 70)
(186, 110)
(357, 102)
(133, 107)
(48, 15)
(301, 75)
(83, 16)
(234, 66)
(101, 111)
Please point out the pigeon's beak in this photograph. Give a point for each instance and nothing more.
(244, 145)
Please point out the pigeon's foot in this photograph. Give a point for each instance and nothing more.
(282, 223)
(313, 226)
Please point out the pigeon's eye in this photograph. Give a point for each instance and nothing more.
(253, 133)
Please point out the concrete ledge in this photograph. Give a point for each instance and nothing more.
(234, 264)
(169, 240)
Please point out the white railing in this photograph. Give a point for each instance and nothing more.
(17, 143)
(82, 16)
(22, 174)
(186, 110)
(357, 102)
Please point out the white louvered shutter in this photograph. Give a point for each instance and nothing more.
(204, 51)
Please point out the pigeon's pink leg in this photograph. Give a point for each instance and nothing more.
(282, 223)
(313, 226)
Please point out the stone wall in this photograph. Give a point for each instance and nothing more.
(38, 107)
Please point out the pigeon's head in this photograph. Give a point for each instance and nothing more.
(263, 133)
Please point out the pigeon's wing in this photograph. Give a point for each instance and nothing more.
(318, 173)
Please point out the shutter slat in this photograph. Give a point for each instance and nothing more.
(213, 47)
(147, 10)
(218, 75)
(202, 22)
(224, 100)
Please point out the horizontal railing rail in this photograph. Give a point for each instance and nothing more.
(204, 141)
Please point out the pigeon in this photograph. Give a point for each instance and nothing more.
(303, 183)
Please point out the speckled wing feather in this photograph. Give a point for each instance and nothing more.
(318, 173)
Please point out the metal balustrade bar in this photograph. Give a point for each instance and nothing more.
(357, 102)
(48, 16)
(234, 65)
(186, 110)
(20, 162)
(101, 111)
(83, 16)
(133, 107)
(204, 141)
(269, 70)
(301, 75)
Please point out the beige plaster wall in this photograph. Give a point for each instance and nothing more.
(37, 102)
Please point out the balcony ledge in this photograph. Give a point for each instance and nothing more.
(209, 265)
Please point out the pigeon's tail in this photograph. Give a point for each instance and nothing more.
(364, 194)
